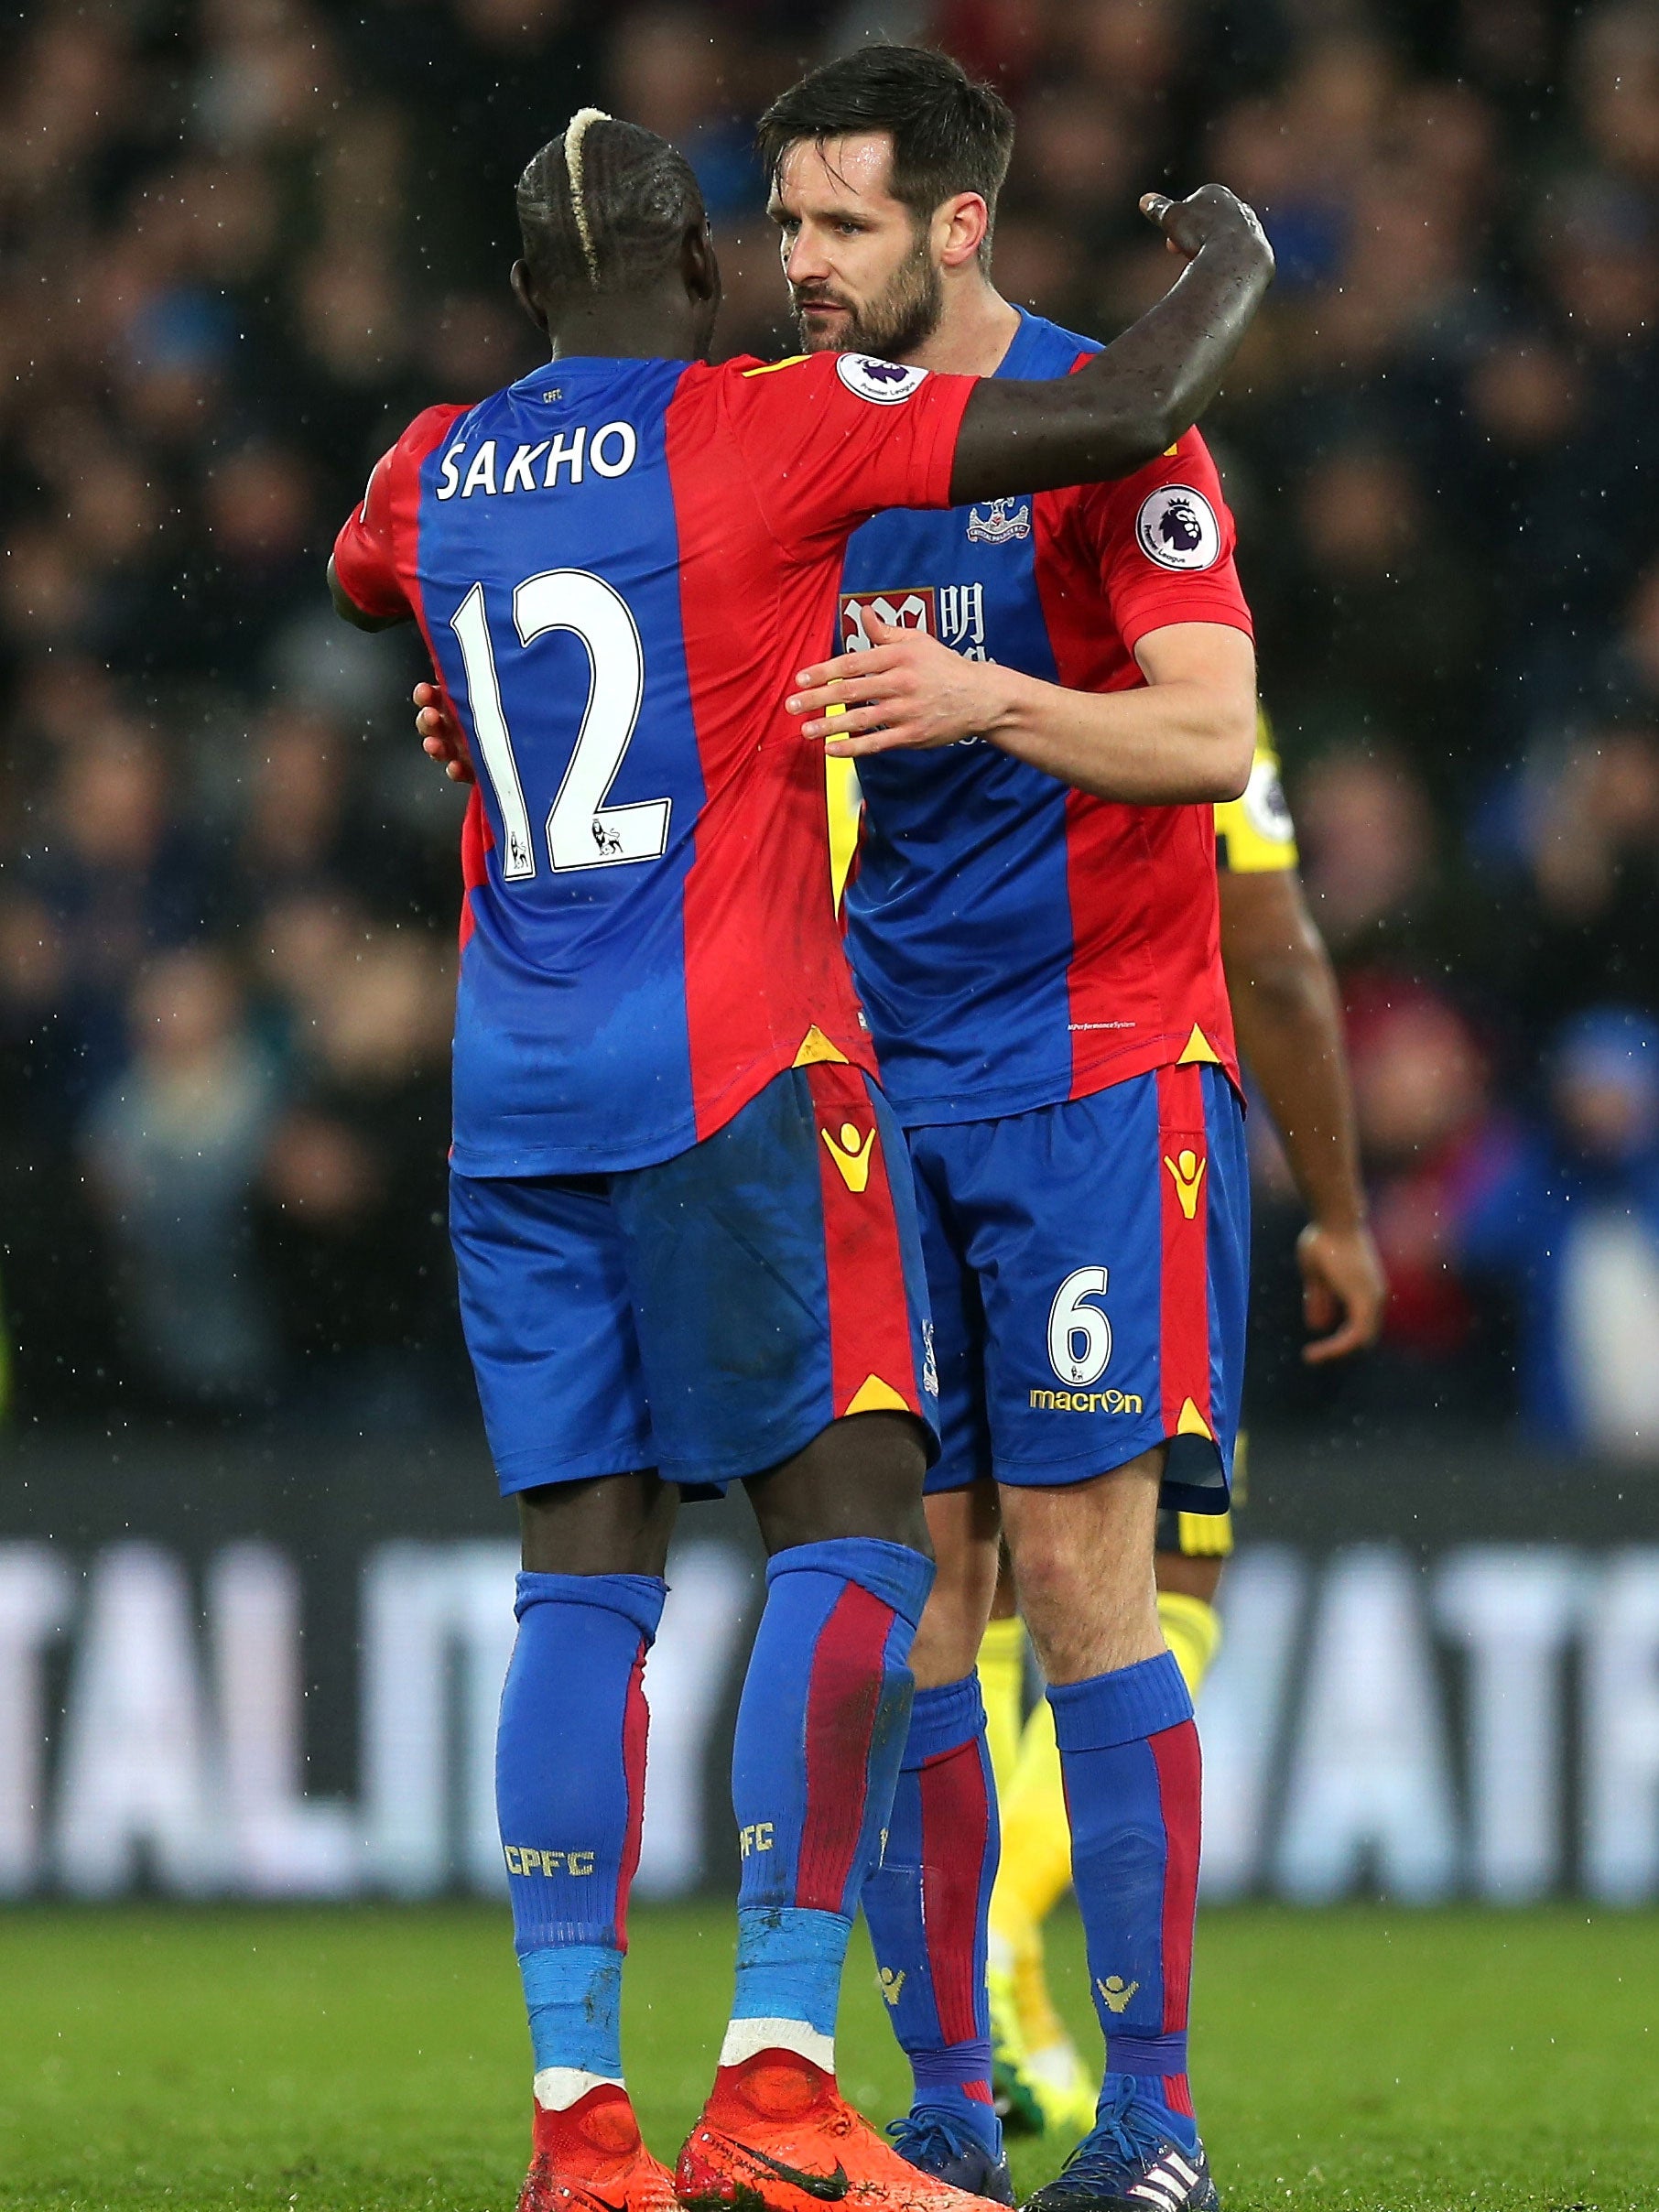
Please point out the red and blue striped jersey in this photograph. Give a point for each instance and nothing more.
(1016, 942)
(619, 566)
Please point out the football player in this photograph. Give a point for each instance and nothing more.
(1289, 1020)
(682, 1211)
(1045, 696)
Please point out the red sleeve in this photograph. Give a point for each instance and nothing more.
(375, 550)
(830, 439)
(1165, 541)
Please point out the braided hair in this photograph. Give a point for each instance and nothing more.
(603, 208)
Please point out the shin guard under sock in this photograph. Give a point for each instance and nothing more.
(1130, 1754)
(570, 1790)
(927, 1906)
(820, 1732)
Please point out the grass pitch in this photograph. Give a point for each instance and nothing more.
(1363, 2061)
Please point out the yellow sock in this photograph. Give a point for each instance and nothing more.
(1001, 1672)
(1192, 1629)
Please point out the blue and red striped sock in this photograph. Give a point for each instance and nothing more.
(570, 1793)
(820, 1732)
(1128, 1753)
(927, 1904)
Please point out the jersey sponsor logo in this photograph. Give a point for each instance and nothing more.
(1115, 1992)
(1176, 527)
(1087, 1402)
(884, 383)
(850, 1155)
(891, 1984)
(991, 523)
(1187, 1170)
(903, 609)
(961, 611)
(954, 613)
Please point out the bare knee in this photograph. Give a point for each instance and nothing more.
(1082, 1562)
(611, 1525)
(862, 1476)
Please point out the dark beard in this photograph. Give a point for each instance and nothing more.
(905, 317)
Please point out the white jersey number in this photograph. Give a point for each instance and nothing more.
(583, 831)
(1079, 1335)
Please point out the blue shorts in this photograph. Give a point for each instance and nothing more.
(708, 1315)
(1088, 1265)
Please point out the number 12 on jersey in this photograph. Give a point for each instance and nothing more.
(583, 831)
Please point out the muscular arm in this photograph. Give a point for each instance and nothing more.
(1289, 1025)
(1136, 398)
(1186, 734)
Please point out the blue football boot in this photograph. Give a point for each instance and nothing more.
(1129, 2162)
(936, 2142)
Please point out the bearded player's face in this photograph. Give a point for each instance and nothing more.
(862, 273)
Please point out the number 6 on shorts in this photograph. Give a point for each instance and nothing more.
(1071, 1318)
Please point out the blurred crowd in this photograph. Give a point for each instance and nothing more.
(243, 241)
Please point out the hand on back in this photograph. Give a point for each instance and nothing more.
(440, 734)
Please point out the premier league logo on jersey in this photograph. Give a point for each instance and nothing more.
(1176, 527)
(991, 523)
(884, 382)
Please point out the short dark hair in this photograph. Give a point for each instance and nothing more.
(603, 207)
(950, 132)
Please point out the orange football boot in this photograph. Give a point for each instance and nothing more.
(777, 2136)
(589, 2158)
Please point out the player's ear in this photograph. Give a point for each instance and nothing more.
(699, 266)
(960, 227)
(524, 291)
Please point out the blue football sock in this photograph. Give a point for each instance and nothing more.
(569, 1793)
(820, 1730)
(1129, 1752)
(927, 1904)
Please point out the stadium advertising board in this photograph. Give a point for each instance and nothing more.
(222, 1673)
